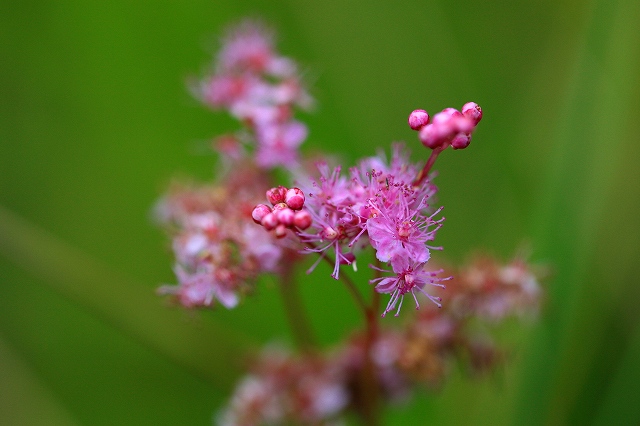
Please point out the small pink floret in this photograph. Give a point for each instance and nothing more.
(329, 233)
(418, 119)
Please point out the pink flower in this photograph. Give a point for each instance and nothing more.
(378, 205)
(260, 246)
(261, 89)
(248, 46)
(329, 203)
(410, 276)
(278, 143)
(398, 228)
(200, 289)
(287, 389)
(399, 167)
(219, 252)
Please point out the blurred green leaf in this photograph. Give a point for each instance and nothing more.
(130, 307)
(23, 398)
(578, 347)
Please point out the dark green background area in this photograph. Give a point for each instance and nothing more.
(95, 120)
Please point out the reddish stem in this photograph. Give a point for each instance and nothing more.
(427, 167)
(370, 387)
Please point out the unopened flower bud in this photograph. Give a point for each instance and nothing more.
(418, 119)
(429, 136)
(446, 115)
(302, 219)
(461, 141)
(259, 212)
(472, 111)
(294, 198)
(280, 206)
(270, 221)
(285, 217)
(347, 258)
(404, 230)
(276, 195)
(463, 124)
(329, 233)
(281, 231)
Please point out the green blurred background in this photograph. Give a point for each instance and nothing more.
(95, 121)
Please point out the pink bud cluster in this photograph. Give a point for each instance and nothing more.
(260, 88)
(448, 127)
(286, 213)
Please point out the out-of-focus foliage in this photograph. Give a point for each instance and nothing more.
(95, 120)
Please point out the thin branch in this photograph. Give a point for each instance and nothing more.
(427, 167)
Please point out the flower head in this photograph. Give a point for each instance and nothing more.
(449, 127)
(219, 252)
(261, 88)
(409, 276)
(399, 227)
(287, 389)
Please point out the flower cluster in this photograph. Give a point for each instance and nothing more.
(287, 211)
(285, 389)
(449, 127)
(486, 291)
(490, 291)
(219, 252)
(378, 206)
(384, 206)
(316, 389)
(260, 88)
